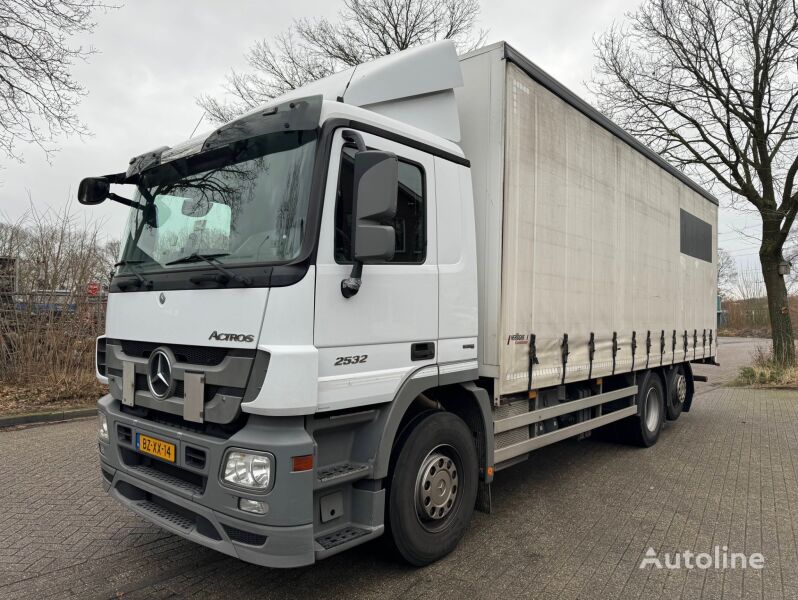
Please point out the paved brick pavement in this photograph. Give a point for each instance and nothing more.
(572, 522)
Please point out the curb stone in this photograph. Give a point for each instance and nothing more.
(47, 417)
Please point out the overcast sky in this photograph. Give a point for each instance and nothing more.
(154, 58)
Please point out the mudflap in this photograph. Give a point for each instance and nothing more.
(688, 402)
(483, 503)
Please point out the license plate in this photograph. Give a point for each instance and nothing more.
(155, 447)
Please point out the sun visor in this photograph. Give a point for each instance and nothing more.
(145, 161)
(296, 115)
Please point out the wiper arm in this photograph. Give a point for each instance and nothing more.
(211, 260)
(195, 257)
(129, 263)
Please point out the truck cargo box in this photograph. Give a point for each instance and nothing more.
(595, 256)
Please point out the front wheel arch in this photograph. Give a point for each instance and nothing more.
(466, 400)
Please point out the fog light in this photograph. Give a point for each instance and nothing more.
(102, 427)
(253, 506)
(247, 470)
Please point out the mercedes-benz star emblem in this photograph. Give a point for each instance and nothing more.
(159, 374)
(162, 298)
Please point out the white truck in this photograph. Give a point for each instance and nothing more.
(347, 309)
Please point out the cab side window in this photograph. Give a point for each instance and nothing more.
(411, 210)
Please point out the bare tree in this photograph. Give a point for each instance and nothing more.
(57, 250)
(38, 94)
(712, 86)
(365, 29)
(727, 274)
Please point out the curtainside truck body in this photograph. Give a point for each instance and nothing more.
(352, 306)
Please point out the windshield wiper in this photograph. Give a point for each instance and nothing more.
(129, 264)
(211, 260)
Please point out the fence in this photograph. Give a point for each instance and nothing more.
(47, 340)
(750, 317)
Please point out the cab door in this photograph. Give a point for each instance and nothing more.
(370, 343)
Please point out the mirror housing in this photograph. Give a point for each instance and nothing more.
(376, 185)
(93, 190)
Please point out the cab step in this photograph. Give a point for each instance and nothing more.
(341, 536)
(340, 473)
(345, 537)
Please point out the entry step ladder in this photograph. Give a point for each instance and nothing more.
(338, 473)
(345, 537)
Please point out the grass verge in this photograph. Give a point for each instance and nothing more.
(764, 372)
(19, 399)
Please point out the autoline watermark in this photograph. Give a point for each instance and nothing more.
(718, 558)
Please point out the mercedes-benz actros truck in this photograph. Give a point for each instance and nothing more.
(342, 313)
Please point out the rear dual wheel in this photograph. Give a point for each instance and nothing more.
(677, 393)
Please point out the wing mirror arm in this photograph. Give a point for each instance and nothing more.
(353, 137)
(351, 285)
(123, 200)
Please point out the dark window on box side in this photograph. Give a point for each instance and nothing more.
(695, 236)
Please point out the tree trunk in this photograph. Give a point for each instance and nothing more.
(778, 310)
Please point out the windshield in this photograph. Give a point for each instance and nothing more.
(245, 203)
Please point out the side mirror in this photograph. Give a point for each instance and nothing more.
(93, 190)
(376, 184)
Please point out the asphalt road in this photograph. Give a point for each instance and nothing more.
(572, 522)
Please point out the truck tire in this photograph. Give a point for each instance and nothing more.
(643, 428)
(433, 488)
(677, 393)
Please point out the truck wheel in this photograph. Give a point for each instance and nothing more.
(643, 428)
(433, 488)
(677, 393)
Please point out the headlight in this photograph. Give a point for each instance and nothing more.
(102, 427)
(246, 470)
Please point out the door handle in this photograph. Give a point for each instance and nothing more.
(422, 351)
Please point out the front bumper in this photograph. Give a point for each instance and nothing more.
(188, 499)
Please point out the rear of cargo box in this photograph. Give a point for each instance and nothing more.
(594, 256)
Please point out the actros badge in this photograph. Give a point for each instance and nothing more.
(231, 337)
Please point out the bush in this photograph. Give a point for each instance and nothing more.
(765, 372)
(48, 321)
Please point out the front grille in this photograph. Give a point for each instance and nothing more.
(245, 537)
(230, 371)
(196, 355)
(141, 385)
